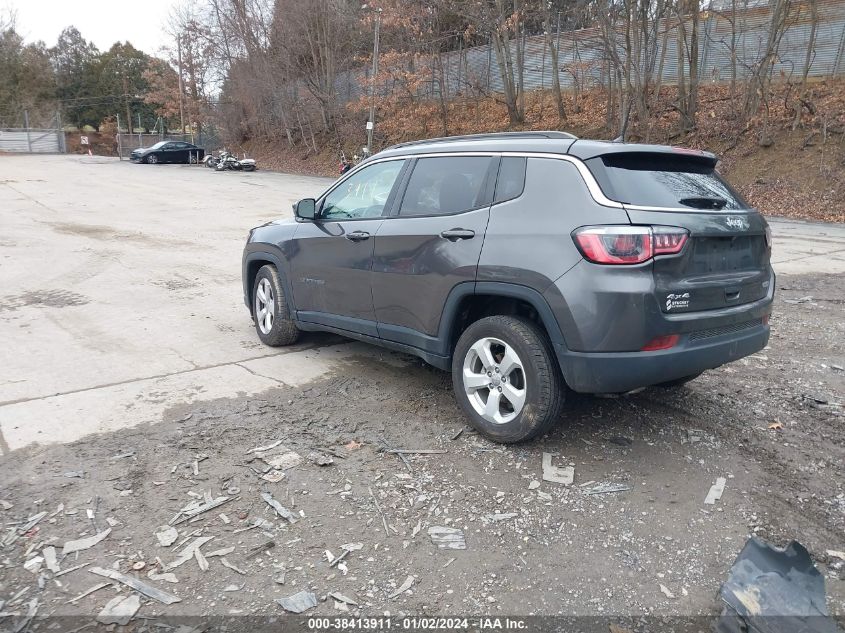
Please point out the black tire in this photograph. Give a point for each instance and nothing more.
(678, 382)
(193, 159)
(152, 159)
(543, 383)
(282, 330)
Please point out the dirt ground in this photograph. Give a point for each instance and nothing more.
(772, 424)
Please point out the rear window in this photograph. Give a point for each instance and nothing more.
(664, 180)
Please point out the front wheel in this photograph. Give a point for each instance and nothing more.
(152, 159)
(506, 379)
(270, 310)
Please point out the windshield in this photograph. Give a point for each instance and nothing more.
(158, 145)
(664, 180)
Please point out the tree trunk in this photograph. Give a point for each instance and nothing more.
(553, 54)
(808, 61)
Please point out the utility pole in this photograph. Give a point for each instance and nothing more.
(371, 124)
(140, 129)
(181, 105)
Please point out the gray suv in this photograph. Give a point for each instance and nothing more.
(528, 264)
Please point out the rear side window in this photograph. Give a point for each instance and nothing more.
(664, 180)
(442, 186)
(511, 181)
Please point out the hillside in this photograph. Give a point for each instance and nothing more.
(797, 173)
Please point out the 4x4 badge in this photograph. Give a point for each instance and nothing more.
(737, 222)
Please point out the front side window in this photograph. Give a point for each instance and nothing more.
(442, 186)
(364, 194)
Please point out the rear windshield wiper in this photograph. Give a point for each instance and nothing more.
(704, 203)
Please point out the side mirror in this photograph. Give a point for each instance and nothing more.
(305, 209)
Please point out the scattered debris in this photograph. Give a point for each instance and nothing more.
(416, 451)
(341, 598)
(123, 455)
(187, 552)
(352, 547)
(555, 474)
(775, 426)
(229, 565)
(716, 491)
(16, 533)
(279, 508)
(607, 488)
(203, 564)
(30, 614)
(220, 552)
(5, 505)
(167, 576)
(96, 587)
(534, 484)
(620, 440)
(77, 474)
(120, 610)
(231, 588)
(666, 592)
(499, 516)
(283, 460)
(319, 459)
(458, 433)
(50, 561)
(273, 476)
(137, 585)
(836, 554)
(774, 590)
(167, 535)
(264, 449)
(70, 569)
(447, 538)
(196, 508)
(84, 543)
(33, 565)
(409, 581)
(260, 549)
(298, 602)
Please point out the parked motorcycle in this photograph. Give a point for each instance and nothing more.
(226, 161)
(231, 162)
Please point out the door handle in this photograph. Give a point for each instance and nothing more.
(358, 236)
(453, 235)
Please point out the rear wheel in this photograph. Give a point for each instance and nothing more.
(270, 310)
(506, 379)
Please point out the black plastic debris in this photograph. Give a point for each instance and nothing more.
(773, 590)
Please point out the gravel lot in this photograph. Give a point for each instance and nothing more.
(132, 384)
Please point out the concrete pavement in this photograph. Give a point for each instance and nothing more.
(121, 294)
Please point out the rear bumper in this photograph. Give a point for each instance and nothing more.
(616, 372)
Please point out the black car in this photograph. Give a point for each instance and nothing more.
(531, 264)
(168, 152)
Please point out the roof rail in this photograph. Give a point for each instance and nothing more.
(492, 135)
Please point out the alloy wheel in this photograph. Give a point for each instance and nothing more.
(265, 306)
(494, 380)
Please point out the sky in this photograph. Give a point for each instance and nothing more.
(102, 21)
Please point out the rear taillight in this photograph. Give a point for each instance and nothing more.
(628, 244)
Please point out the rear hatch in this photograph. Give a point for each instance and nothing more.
(725, 261)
